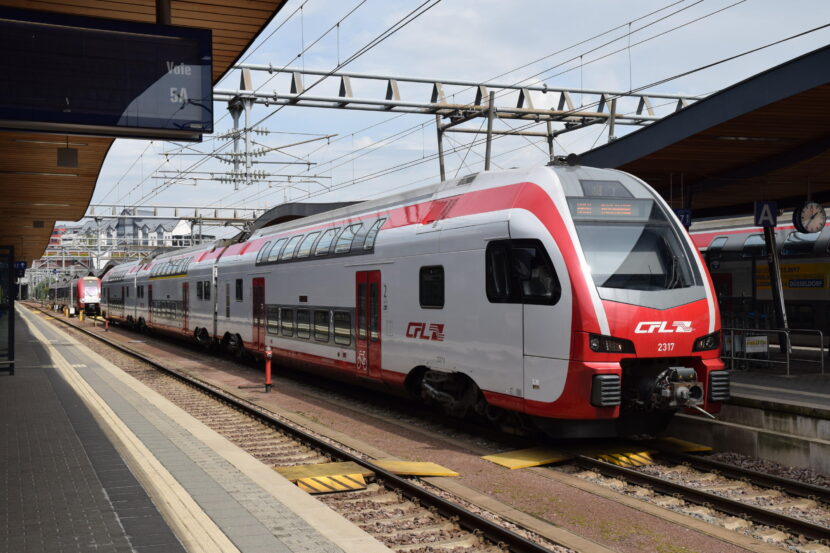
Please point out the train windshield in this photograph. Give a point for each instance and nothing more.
(631, 244)
(90, 288)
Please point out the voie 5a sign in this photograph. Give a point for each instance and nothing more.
(73, 74)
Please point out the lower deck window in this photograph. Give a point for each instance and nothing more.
(287, 322)
(303, 323)
(342, 328)
(321, 326)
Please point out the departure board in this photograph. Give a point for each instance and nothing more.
(87, 75)
(598, 209)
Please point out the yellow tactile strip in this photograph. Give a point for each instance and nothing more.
(528, 457)
(330, 484)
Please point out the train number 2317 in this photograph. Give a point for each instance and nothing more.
(665, 346)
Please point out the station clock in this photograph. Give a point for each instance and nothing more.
(810, 217)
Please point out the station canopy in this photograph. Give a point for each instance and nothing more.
(34, 191)
(765, 138)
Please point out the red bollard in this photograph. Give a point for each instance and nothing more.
(268, 369)
(106, 325)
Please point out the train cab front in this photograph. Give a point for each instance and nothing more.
(646, 335)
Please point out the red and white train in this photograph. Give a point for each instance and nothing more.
(566, 296)
(81, 294)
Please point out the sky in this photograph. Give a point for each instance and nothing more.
(602, 44)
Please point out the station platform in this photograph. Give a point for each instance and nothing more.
(93, 460)
(802, 390)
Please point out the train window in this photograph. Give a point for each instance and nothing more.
(604, 189)
(263, 252)
(227, 300)
(239, 289)
(431, 287)
(291, 247)
(199, 294)
(324, 245)
(272, 314)
(754, 246)
(715, 247)
(274, 254)
(369, 243)
(342, 328)
(520, 271)
(535, 274)
(321, 326)
(206, 287)
(303, 323)
(499, 278)
(798, 243)
(286, 322)
(344, 241)
(305, 247)
(127, 292)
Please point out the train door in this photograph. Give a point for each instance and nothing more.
(149, 303)
(368, 342)
(185, 304)
(258, 302)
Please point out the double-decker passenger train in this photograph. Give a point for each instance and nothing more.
(82, 294)
(565, 296)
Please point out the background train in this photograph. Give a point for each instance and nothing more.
(566, 297)
(83, 294)
(737, 260)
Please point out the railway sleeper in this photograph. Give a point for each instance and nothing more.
(412, 530)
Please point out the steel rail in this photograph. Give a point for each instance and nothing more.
(787, 485)
(730, 506)
(466, 519)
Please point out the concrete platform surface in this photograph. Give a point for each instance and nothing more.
(211, 494)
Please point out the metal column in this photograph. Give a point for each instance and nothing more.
(776, 285)
(440, 132)
(491, 111)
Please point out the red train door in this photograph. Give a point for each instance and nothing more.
(258, 301)
(367, 301)
(185, 304)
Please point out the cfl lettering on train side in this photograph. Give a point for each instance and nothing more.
(425, 331)
(662, 327)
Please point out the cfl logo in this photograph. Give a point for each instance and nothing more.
(661, 327)
(434, 332)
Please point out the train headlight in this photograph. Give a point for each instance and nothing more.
(708, 342)
(609, 344)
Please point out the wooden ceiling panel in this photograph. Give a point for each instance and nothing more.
(32, 186)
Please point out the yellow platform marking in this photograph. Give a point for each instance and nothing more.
(300, 472)
(627, 460)
(676, 445)
(414, 468)
(530, 457)
(330, 484)
(48, 318)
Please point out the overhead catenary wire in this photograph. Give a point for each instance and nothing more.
(411, 163)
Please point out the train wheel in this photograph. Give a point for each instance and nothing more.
(202, 337)
(235, 346)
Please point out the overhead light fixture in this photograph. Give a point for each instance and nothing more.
(67, 157)
(38, 173)
(41, 204)
(26, 141)
(752, 138)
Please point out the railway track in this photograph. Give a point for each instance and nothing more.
(703, 491)
(400, 512)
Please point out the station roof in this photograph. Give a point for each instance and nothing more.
(34, 191)
(764, 138)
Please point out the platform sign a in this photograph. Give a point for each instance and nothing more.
(766, 214)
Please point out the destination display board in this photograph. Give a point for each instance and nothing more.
(84, 75)
(613, 209)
